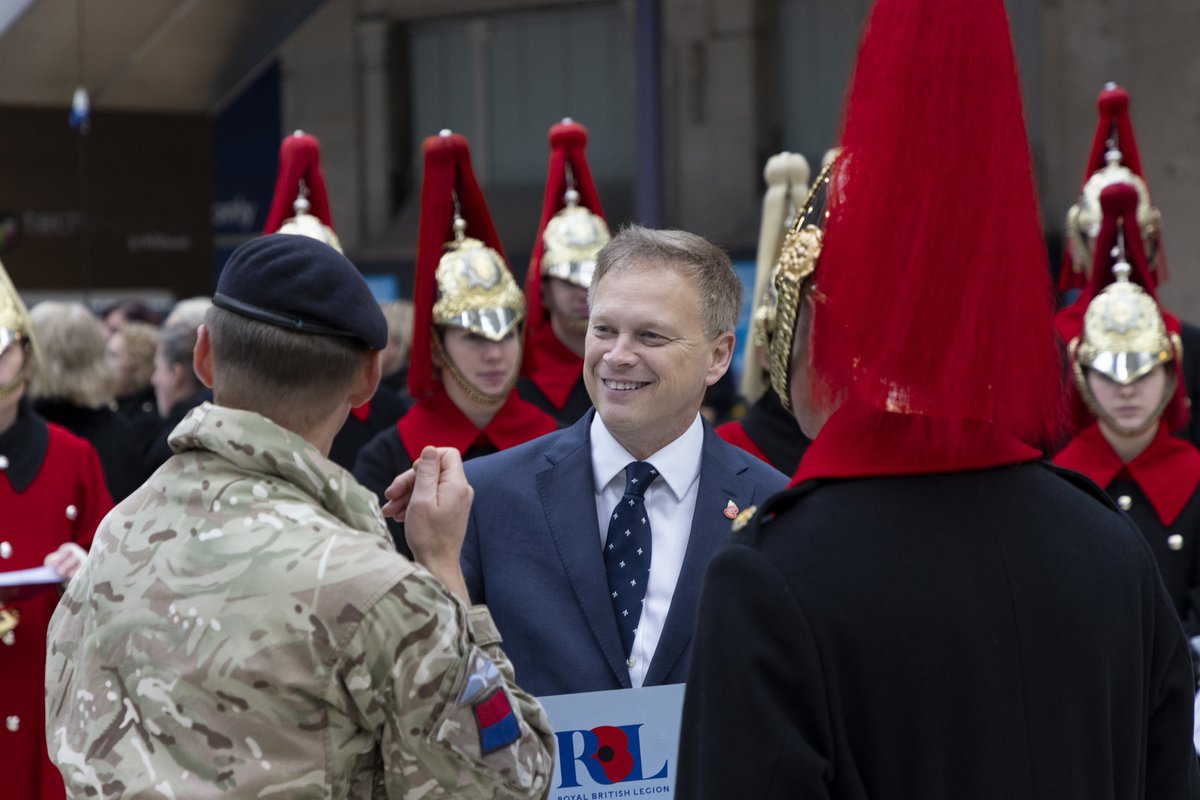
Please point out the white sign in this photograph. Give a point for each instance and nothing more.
(30, 577)
(616, 744)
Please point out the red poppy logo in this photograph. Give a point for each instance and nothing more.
(612, 753)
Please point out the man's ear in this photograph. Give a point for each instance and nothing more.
(366, 380)
(722, 354)
(201, 357)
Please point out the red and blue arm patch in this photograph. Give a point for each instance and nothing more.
(494, 716)
(497, 722)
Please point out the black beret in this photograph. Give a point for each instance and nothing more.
(303, 285)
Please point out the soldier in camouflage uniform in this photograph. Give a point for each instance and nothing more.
(244, 626)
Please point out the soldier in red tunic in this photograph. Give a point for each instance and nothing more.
(467, 324)
(572, 231)
(52, 497)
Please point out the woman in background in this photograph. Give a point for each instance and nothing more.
(74, 388)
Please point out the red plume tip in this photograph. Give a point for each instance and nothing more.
(1113, 101)
(1119, 199)
(568, 134)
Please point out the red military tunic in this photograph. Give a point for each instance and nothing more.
(556, 383)
(52, 491)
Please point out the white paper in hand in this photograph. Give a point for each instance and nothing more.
(30, 577)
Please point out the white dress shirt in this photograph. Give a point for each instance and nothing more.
(670, 505)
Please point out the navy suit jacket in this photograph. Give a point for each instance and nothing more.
(533, 555)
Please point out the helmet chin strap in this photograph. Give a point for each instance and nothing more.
(18, 380)
(442, 359)
(16, 383)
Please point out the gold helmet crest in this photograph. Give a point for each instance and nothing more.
(1084, 218)
(572, 239)
(791, 280)
(475, 289)
(304, 223)
(16, 330)
(1124, 337)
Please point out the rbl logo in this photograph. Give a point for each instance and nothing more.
(611, 754)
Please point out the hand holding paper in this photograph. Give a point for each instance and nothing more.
(66, 560)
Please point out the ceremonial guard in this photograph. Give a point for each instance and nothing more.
(1114, 158)
(571, 232)
(768, 430)
(932, 610)
(300, 192)
(52, 497)
(466, 351)
(1125, 362)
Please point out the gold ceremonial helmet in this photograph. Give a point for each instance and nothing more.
(1084, 218)
(15, 330)
(792, 279)
(475, 289)
(572, 239)
(305, 224)
(1124, 338)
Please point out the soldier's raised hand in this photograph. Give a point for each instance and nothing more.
(436, 502)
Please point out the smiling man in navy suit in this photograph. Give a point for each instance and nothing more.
(589, 544)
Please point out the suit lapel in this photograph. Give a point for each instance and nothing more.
(567, 493)
(720, 482)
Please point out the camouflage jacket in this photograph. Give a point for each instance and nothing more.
(243, 627)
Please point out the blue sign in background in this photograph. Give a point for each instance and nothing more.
(745, 270)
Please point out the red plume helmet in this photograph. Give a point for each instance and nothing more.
(922, 310)
(569, 184)
(1114, 158)
(448, 179)
(299, 166)
(1119, 242)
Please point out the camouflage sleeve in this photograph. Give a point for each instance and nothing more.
(429, 677)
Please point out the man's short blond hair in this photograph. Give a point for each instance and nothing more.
(699, 261)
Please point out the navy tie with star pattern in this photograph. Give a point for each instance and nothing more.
(627, 551)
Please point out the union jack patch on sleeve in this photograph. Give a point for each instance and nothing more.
(497, 722)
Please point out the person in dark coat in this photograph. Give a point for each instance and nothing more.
(466, 350)
(130, 353)
(399, 315)
(177, 390)
(380, 413)
(74, 389)
(931, 611)
(571, 232)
